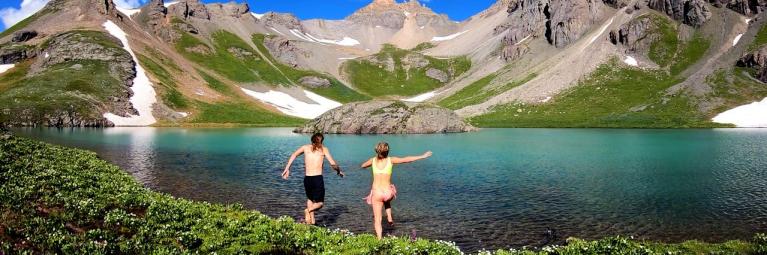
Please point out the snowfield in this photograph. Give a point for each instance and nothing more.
(128, 12)
(745, 116)
(346, 41)
(6, 67)
(631, 61)
(447, 38)
(737, 39)
(421, 98)
(291, 106)
(168, 4)
(257, 15)
(144, 95)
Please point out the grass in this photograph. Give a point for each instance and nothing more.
(215, 84)
(337, 90)
(760, 39)
(614, 96)
(690, 53)
(58, 200)
(477, 92)
(372, 78)
(248, 69)
(734, 87)
(663, 50)
(239, 111)
(168, 88)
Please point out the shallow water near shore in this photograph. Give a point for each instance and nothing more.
(496, 188)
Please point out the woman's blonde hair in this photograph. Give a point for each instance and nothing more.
(382, 150)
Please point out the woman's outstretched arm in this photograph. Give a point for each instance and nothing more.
(367, 163)
(396, 160)
(286, 173)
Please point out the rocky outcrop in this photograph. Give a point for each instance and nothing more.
(390, 14)
(387, 117)
(286, 20)
(230, 9)
(23, 36)
(437, 74)
(745, 7)
(58, 118)
(14, 53)
(560, 21)
(570, 19)
(690, 12)
(284, 50)
(756, 60)
(635, 36)
(314, 82)
(186, 9)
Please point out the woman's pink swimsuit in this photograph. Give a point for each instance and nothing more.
(382, 195)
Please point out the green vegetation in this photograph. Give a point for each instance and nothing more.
(690, 53)
(734, 88)
(337, 91)
(760, 39)
(61, 200)
(170, 95)
(245, 66)
(613, 96)
(477, 93)
(215, 84)
(405, 78)
(663, 50)
(241, 112)
(423, 46)
(77, 87)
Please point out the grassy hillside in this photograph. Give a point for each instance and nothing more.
(336, 91)
(60, 200)
(77, 87)
(620, 96)
(405, 78)
(479, 92)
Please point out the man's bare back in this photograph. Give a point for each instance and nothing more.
(313, 160)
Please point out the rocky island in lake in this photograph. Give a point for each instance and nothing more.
(387, 117)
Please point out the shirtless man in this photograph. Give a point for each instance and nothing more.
(314, 184)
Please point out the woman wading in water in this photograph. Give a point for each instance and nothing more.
(383, 191)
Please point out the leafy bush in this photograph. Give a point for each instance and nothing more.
(61, 200)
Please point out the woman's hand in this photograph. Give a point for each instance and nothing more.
(426, 154)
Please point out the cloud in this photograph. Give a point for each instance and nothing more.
(129, 4)
(11, 16)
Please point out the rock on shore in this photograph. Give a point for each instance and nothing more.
(387, 117)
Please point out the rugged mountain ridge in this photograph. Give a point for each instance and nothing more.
(209, 62)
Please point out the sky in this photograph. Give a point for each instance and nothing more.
(12, 11)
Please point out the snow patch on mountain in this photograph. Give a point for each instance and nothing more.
(6, 67)
(737, 39)
(169, 4)
(422, 97)
(144, 95)
(291, 106)
(128, 12)
(257, 15)
(447, 38)
(745, 116)
(631, 61)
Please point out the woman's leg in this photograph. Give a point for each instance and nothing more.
(377, 217)
(387, 206)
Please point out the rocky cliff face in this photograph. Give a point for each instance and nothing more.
(756, 60)
(390, 14)
(745, 7)
(690, 12)
(387, 117)
(636, 36)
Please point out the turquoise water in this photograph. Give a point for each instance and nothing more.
(496, 188)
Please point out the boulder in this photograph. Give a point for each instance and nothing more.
(437, 74)
(314, 82)
(387, 117)
(23, 36)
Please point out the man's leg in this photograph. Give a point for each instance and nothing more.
(310, 209)
(307, 216)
